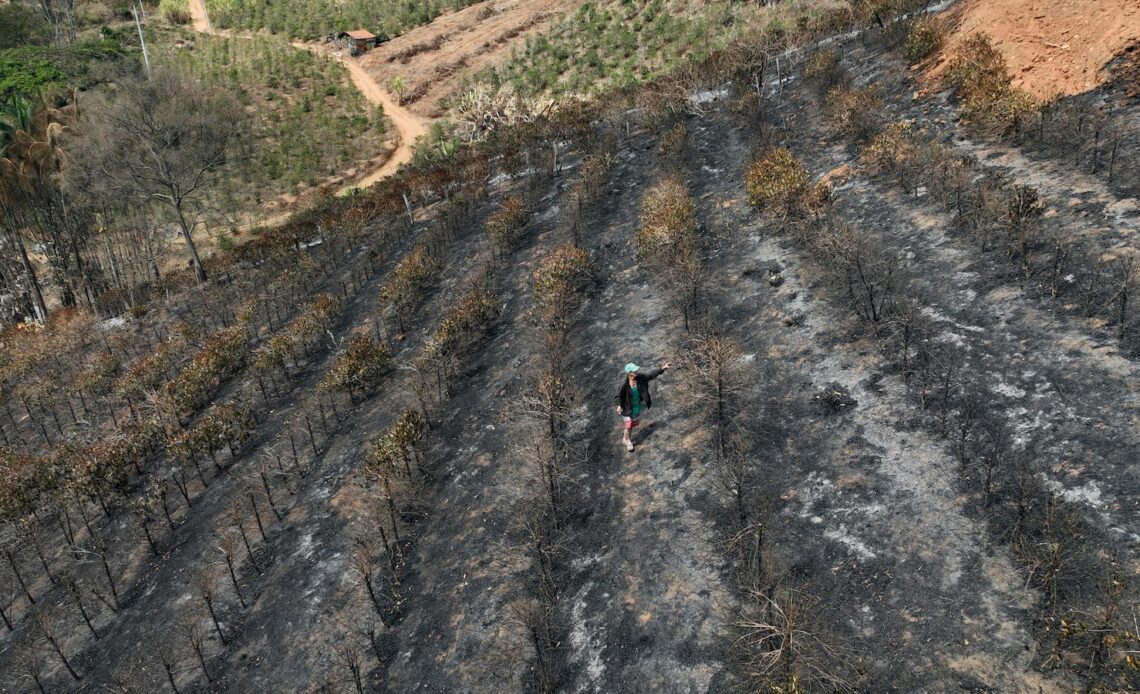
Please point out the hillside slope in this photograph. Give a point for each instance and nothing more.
(894, 451)
(1053, 48)
(435, 59)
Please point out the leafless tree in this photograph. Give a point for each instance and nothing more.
(1125, 275)
(169, 660)
(30, 662)
(362, 565)
(60, 14)
(1023, 212)
(47, 626)
(533, 620)
(781, 648)
(196, 635)
(163, 140)
(228, 545)
(76, 595)
(351, 657)
(207, 581)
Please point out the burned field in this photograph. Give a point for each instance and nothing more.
(895, 449)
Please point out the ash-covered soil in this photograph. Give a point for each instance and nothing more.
(865, 505)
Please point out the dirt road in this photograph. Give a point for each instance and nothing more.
(408, 125)
(199, 17)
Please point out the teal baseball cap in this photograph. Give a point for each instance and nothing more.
(631, 368)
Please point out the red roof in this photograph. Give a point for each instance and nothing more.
(360, 35)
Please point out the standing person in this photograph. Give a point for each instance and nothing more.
(633, 398)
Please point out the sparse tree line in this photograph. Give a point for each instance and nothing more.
(114, 369)
(396, 475)
(669, 241)
(1047, 534)
(106, 483)
(393, 480)
(545, 440)
(776, 645)
(1087, 278)
(101, 475)
(1092, 132)
(277, 340)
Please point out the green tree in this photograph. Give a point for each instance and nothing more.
(20, 25)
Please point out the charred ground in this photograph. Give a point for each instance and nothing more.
(895, 452)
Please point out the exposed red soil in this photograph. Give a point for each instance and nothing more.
(1052, 46)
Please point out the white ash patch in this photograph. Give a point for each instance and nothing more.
(930, 312)
(1024, 426)
(589, 647)
(1089, 493)
(952, 338)
(1008, 390)
(708, 96)
(818, 487)
(844, 537)
(306, 546)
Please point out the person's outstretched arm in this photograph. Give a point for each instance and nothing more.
(654, 373)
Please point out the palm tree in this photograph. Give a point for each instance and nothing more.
(51, 219)
(15, 121)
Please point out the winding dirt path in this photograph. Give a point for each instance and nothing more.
(408, 125)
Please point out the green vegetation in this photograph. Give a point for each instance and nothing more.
(925, 39)
(599, 47)
(175, 11)
(29, 70)
(608, 45)
(311, 18)
(20, 25)
(308, 122)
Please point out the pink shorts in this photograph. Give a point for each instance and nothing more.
(630, 422)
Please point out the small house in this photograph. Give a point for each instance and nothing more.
(358, 41)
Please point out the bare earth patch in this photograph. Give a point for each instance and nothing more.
(1051, 46)
(436, 58)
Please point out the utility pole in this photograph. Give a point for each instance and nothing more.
(142, 41)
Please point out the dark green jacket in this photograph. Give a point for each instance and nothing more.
(625, 393)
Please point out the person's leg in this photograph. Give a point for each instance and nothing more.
(627, 439)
